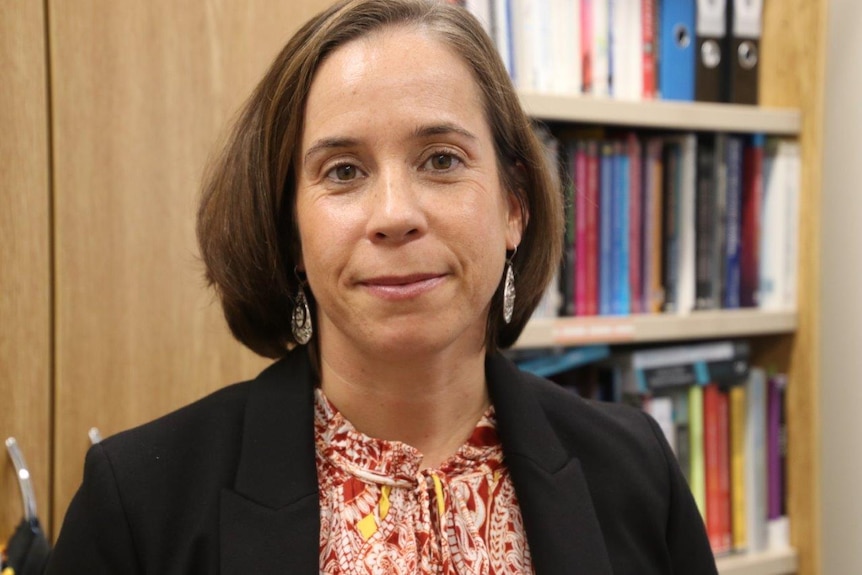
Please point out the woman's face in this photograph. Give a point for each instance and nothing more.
(403, 220)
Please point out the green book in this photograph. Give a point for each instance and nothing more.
(697, 478)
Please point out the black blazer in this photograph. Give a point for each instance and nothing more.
(228, 485)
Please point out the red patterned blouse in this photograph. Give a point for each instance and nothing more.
(381, 514)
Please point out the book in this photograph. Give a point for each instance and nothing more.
(705, 214)
(733, 217)
(557, 361)
(676, 73)
(671, 212)
(651, 254)
(717, 474)
(593, 226)
(606, 185)
(756, 491)
(696, 475)
(636, 223)
(620, 256)
(752, 191)
(738, 462)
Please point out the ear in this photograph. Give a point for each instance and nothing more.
(518, 214)
(515, 220)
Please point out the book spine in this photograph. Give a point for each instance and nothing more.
(705, 213)
(685, 292)
(582, 199)
(752, 191)
(636, 224)
(593, 226)
(620, 298)
(649, 48)
(774, 449)
(587, 46)
(606, 182)
(719, 230)
(697, 479)
(670, 251)
(568, 265)
(732, 229)
(737, 465)
(715, 443)
(756, 489)
(601, 48)
(653, 292)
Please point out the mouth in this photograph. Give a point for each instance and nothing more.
(400, 287)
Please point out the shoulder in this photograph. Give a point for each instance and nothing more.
(592, 428)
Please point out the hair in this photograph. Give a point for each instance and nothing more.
(247, 228)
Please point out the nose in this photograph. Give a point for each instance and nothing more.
(396, 213)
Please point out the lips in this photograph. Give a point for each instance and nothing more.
(400, 287)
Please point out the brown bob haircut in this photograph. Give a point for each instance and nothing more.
(247, 223)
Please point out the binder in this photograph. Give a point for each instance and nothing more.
(676, 72)
(746, 20)
(711, 48)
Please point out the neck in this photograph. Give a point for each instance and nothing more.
(431, 403)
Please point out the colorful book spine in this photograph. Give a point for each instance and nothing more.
(756, 480)
(704, 222)
(593, 226)
(636, 223)
(620, 296)
(653, 229)
(587, 46)
(715, 423)
(649, 51)
(776, 446)
(697, 479)
(671, 209)
(752, 192)
(738, 394)
(582, 200)
(606, 183)
(732, 244)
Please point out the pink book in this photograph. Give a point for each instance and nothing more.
(581, 208)
(586, 46)
(649, 48)
(592, 228)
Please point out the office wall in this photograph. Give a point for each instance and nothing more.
(25, 261)
(841, 389)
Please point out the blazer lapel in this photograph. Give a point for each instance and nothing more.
(270, 522)
(562, 528)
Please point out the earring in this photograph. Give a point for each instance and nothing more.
(509, 291)
(300, 323)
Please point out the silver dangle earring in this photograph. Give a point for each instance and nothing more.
(509, 290)
(300, 323)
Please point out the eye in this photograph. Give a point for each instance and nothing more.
(343, 173)
(442, 161)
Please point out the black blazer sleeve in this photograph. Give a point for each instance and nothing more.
(95, 538)
(686, 534)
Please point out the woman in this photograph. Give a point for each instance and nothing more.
(382, 221)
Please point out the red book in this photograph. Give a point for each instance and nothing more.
(586, 46)
(581, 208)
(649, 48)
(716, 452)
(592, 228)
(752, 197)
(633, 149)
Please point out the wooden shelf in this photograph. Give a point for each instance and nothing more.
(784, 562)
(571, 331)
(663, 115)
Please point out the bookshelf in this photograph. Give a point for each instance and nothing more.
(646, 328)
(662, 114)
(791, 98)
(784, 562)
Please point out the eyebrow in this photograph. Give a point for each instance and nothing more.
(442, 129)
(329, 144)
(335, 143)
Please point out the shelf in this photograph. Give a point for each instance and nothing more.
(572, 331)
(663, 115)
(784, 562)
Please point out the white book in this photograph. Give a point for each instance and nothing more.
(686, 278)
(523, 45)
(626, 38)
(791, 258)
(501, 32)
(566, 30)
(755, 456)
(543, 49)
(481, 9)
(600, 52)
(773, 231)
(661, 409)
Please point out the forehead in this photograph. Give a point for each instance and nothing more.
(395, 72)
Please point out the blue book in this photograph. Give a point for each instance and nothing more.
(732, 241)
(547, 365)
(620, 287)
(677, 55)
(606, 173)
